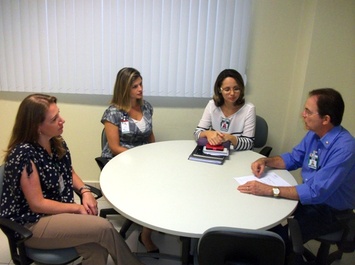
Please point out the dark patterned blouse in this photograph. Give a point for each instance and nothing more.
(55, 177)
(133, 136)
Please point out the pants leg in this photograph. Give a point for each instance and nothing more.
(316, 220)
(92, 254)
(73, 230)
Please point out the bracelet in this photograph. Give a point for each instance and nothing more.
(84, 188)
(85, 192)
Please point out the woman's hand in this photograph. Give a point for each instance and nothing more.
(231, 138)
(214, 137)
(89, 203)
(32, 191)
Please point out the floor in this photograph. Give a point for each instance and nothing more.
(168, 244)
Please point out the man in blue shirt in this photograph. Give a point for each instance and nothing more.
(327, 158)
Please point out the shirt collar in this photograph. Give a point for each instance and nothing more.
(330, 136)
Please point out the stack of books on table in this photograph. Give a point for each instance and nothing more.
(202, 154)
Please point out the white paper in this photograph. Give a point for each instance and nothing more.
(269, 178)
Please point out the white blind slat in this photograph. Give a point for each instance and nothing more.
(77, 46)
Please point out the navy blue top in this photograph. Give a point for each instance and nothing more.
(55, 177)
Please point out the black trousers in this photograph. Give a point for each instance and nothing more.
(314, 221)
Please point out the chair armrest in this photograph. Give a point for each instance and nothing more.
(101, 161)
(266, 151)
(10, 227)
(295, 236)
(97, 192)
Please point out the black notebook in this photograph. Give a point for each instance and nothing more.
(198, 155)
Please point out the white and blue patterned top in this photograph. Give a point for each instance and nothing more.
(55, 176)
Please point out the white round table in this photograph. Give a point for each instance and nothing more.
(156, 186)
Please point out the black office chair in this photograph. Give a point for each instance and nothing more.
(261, 134)
(344, 239)
(233, 246)
(101, 162)
(22, 255)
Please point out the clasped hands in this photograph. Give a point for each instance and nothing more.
(216, 137)
(89, 204)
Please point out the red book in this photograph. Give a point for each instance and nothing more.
(214, 147)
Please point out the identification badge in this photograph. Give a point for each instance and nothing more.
(61, 183)
(224, 126)
(313, 160)
(125, 125)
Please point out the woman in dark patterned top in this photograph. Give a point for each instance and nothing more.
(39, 184)
(128, 123)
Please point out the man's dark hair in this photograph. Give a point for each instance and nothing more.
(331, 103)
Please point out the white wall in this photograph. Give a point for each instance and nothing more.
(295, 46)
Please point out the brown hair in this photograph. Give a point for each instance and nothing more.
(31, 113)
(218, 97)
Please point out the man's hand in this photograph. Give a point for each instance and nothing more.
(258, 167)
(256, 188)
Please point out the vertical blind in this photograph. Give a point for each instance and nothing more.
(78, 46)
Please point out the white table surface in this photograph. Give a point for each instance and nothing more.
(156, 186)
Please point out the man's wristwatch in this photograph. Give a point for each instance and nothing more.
(276, 191)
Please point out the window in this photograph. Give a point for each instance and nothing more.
(77, 46)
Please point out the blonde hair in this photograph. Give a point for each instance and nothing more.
(121, 93)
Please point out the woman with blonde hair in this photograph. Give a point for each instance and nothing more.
(128, 123)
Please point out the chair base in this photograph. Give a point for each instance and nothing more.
(111, 211)
(323, 256)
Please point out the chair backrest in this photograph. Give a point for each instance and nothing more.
(223, 245)
(103, 139)
(261, 132)
(102, 161)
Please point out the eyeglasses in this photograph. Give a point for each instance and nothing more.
(307, 112)
(229, 89)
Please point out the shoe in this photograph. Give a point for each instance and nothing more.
(151, 251)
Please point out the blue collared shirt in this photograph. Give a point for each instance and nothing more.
(328, 168)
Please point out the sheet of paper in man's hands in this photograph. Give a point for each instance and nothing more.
(269, 178)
